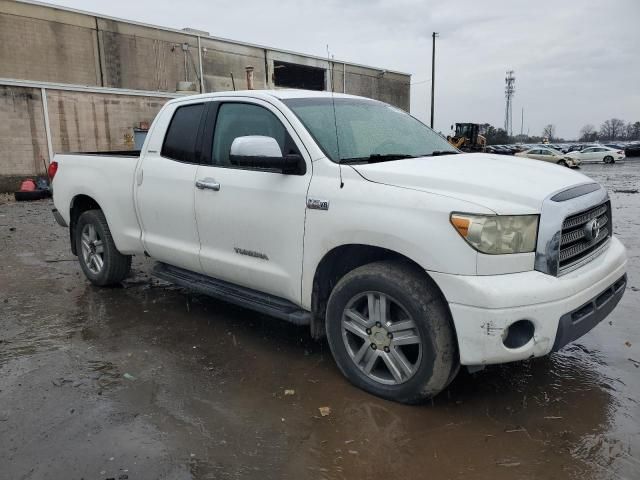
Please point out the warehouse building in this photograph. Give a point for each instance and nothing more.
(75, 81)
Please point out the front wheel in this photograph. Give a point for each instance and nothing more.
(99, 258)
(563, 163)
(390, 332)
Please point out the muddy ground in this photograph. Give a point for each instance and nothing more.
(149, 382)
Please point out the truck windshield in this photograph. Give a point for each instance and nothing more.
(366, 130)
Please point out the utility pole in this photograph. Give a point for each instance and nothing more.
(433, 72)
(522, 122)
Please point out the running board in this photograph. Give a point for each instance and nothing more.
(229, 292)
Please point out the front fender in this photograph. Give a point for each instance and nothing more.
(411, 223)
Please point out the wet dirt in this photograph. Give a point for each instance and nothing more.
(148, 381)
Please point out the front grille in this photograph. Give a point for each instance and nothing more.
(581, 238)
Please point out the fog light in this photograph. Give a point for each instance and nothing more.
(518, 334)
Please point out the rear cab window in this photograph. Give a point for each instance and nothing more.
(181, 138)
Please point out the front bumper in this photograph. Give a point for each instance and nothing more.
(483, 307)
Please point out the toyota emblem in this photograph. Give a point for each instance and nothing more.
(592, 229)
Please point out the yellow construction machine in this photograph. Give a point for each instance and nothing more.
(467, 138)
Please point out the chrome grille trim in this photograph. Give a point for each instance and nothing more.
(579, 243)
(583, 218)
(578, 248)
(578, 234)
(558, 220)
(587, 258)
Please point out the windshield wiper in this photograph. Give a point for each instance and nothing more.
(437, 153)
(376, 157)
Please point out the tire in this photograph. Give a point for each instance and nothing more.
(99, 258)
(28, 196)
(608, 159)
(563, 163)
(419, 327)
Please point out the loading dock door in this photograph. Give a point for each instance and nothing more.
(292, 75)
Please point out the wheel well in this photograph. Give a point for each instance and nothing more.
(79, 205)
(336, 264)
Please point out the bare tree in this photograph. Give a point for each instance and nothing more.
(612, 129)
(628, 131)
(588, 133)
(549, 132)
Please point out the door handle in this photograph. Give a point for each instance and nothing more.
(208, 184)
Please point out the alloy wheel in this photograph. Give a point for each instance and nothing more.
(92, 249)
(381, 338)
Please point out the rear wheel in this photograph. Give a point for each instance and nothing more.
(390, 332)
(608, 159)
(99, 258)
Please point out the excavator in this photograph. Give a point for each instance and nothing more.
(467, 138)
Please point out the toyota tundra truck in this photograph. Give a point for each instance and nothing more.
(351, 217)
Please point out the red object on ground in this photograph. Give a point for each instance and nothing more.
(28, 185)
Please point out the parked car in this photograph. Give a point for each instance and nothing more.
(576, 147)
(512, 149)
(501, 150)
(550, 155)
(632, 149)
(350, 217)
(600, 153)
(615, 146)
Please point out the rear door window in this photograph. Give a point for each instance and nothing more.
(182, 134)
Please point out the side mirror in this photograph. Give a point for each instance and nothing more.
(263, 153)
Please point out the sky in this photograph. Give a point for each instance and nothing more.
(576, 62)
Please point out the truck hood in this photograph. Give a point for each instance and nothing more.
(504, 184)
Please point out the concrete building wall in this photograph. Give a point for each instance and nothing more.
(220, 59)
(90, 122)
(37, 44)
(23, 144)
(141, 58)
(40, 43)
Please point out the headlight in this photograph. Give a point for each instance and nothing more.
(497, 234)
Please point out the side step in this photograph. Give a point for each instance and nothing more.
(229, 292)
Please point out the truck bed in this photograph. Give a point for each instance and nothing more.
(108, 179)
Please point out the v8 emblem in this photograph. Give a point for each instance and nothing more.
(315, 204)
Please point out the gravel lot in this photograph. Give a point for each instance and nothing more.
(148, 381)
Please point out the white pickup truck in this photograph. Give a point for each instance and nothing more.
(350, 216)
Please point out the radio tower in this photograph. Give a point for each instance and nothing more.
(509, 90)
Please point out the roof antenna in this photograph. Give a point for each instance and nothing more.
(335, 120)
